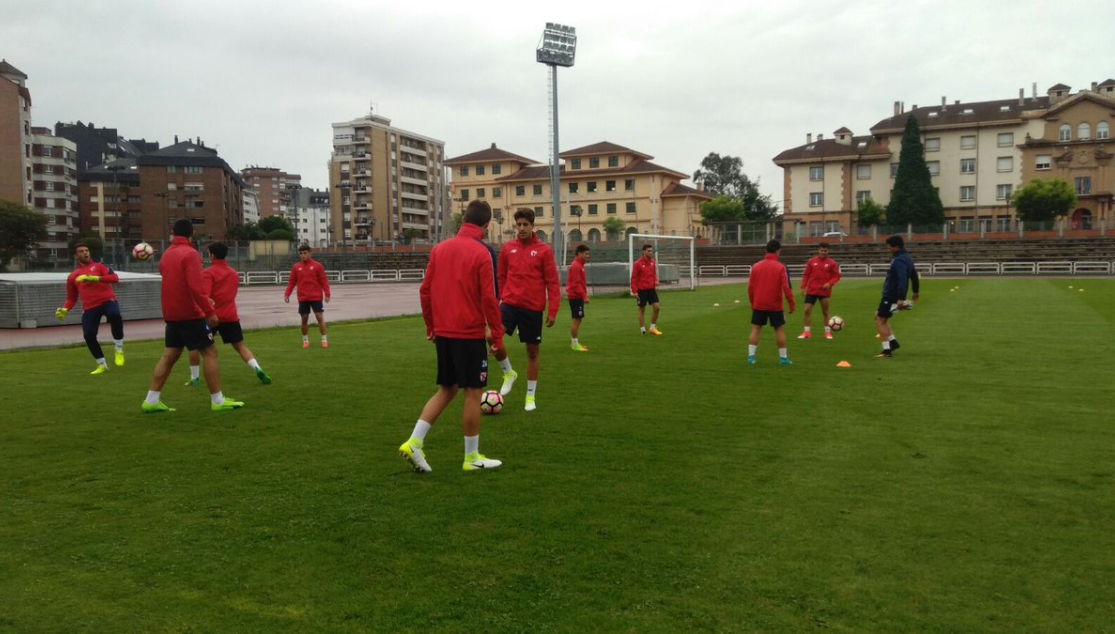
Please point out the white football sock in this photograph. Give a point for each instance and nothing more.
(324, 338)
(472, 444)
(217, 398)
(644, 330)
(654, 327)
(253, 364)
(195, 372)
(102, 362)
(886, 345)
(751, 350)
(574, 341)
(119, 343)
(827, 329)
(505, 365)
(153, 398)
(808, 328)
(891, 337)
(531, 387)
(782, 352)
(420, 429)
(305, 338)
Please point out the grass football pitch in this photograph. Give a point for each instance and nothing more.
(967, 484)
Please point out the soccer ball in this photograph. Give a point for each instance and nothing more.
(142, 251)
(836, 323)
(491, 402)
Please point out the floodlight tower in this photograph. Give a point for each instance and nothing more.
(558, 48)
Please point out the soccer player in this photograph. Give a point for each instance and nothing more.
(91, 281)
(189, 317)
(768, 284)
(458, 304)
(527, 276)
(309, 276)
(901, 275)
(821, 274)
(644, 286)
(576, 291)
(221, 285)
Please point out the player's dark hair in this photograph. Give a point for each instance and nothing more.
(774, 246)
(478, 213)
(303, 247)
(581, 248)
(823, 245)
(647, 246)
(79, 245)
(525, 213)
(219, 250)
(183, 227)
(896, 241)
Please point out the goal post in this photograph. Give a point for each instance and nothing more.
(675, 256)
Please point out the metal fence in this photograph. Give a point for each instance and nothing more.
(975, 269)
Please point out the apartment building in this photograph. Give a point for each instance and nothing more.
(598, 181)
(309, 213)
(978, 154)
(251, 206)
(97, 146)
(273, 188)
(15, 136)
(386, 183)
(54, 190)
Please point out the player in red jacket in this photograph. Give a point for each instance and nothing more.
(313, 286)
(221, 285)
(821, 274)
(458, 305)
(576, 291)
(644, 286)
(528, 285)
(190, 318)
(768, 284)
(91, 281)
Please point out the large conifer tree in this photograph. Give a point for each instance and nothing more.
(914, 200)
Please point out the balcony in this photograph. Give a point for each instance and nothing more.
(414, 166)
(363, 206)
(362, 189)
(414, 181)
(415, 225)
(360, 140)
(414, 196)
(413, 150)
(362, 173)
(362, 156)
(364, 221)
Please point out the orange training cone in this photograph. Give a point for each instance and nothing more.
(843, 364)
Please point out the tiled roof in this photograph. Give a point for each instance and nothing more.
(843, 130)
(959, 114)
(860, 147)
(677, 189)
(1109, 82)
(1060, 87)
(490, 154)
(8, 69)
(604, 147)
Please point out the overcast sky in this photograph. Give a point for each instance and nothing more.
(263, 81)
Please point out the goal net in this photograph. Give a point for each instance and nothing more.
(675, 256)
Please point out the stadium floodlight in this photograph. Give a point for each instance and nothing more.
(557, 48)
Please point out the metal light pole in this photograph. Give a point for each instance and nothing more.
(558, 48)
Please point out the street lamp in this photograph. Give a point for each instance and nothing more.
(558, 48)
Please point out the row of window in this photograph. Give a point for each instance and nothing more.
(574, 188)
(593, 162)
(497, 169)
(967, 192)
(593, 209)
(186, 169)
(1084, 131)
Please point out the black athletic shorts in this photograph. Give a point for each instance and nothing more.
(462, 362)
(577, 308)
(884, 309)
(813, 299)
(775, 318)
(305, 307)
(529, 323)
(191, 335)
(231, 332)
(647, 297)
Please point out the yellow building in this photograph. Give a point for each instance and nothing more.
(598, 181)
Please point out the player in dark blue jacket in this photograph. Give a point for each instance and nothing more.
(901, 277)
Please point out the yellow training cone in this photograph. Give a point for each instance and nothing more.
(715, 305)
(843, 364)
(1081, 290)
(737, 301)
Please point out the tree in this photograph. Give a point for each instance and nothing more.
(21, 229)
(92, 240)
(721, 209)
(281, 234)
(455, 223)
(269, 224)
(1042, 200)
(613, 227)
(245, 231)
(723, 176)
(869, 212)
(914, 200)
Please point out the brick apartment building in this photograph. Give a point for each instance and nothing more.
(273, 188)
(15, 135)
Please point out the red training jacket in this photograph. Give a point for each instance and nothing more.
(576, 287)
(644, 275)
(768, 283)
(184, 297)
(458, 292)
(310, 279)
(528, 274)
(818, 272)
(93, 294)
(221, 285)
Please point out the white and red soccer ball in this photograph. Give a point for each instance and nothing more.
(836, 323)
(143, 251)
(491, 402)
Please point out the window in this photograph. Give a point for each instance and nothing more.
(497, 192)
(893, 170)
(1005, 164)
(1002, 223)
(49, 186)
(610, 186)
(817, 173)
(1083, 131)
(613, 161)
(48, 169)
(933, 145)
(537, 190)
(967, 225)
(576, 164)
(573, 188)
(1064, 133)
(464, 194)
(464, 170)
(863, 172)
(1083, 185)
(193, 169)
(496, 169)
(592, 210)
(968, 142)
(171, 187)
(479, 170)
(1103, 130)
(1002, 192)
(967, 166)
(863, 196)
(816, 199)
(967, 193)
(195, 204)
(591, 187)
(479, 192)
(629, 184)
(832, 226)
(170, 169)
(537, 212)
(815, 228)
(1005, 139)
(611, 208)
(520, 190)
(1043, 161)
(594, 162)
(934, 167)
(630, 208)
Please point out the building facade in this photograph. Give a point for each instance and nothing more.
(309, 213)
(598, 181)
(55, 192)
(273, 188)
(251, 206)
(386, 183)
(978, 154)
(15, 136)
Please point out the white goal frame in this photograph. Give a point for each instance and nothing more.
(654, 239)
